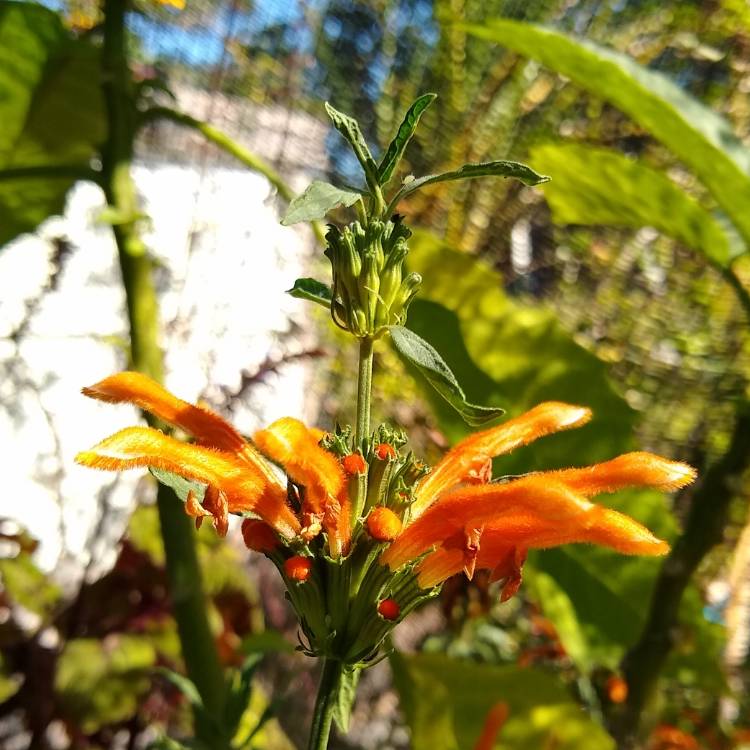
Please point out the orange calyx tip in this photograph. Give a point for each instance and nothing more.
(385, 451)
(354, 463)
(493, 723)
(383, 525)
(298, 568)
(258, 535)
(389, 609)
(617, 689)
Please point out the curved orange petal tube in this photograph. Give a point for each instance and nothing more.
(243, 484)
(629, 470)
(289, 443)
(471, 454)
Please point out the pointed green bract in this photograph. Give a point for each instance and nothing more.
(311, 290)
(418, 352)
(406, 130)
(349, 128)
(318, 199)
(500, 168)
(180, 485)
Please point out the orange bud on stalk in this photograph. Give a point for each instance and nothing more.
(617, 689)
(384, 451)
(298, 568)
(389, 609)
(258, 535)
(354, 463)
(383, 524)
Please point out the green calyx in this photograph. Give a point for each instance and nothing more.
(370, 289)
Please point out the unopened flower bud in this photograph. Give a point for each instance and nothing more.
(258, 535)
(383, 524)
(298, 568)
(354, 463)
(384, 451)
(389, 609)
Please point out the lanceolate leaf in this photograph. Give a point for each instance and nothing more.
(469, 171)
(312, 290)
(51, 114)
(701, 139)
(415, 350)
(180, 485)
(345, 695)
(349, 128)
(395, 150)
(318, 199)
(598, 186)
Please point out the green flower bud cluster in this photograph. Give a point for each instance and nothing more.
(370, 290)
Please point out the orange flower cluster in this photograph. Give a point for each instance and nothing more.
(458, 518)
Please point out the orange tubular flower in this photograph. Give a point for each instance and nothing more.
(238, 478)
(463, 524)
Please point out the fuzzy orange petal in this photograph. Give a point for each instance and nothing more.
(288, 442)
(629, 470)
(245, 486)
(471, 455)
(337, 524)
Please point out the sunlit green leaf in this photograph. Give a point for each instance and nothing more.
(349, 128)
(699, 137)
(51, 114)
(445, 702)
(318, 199)
(599, 186)
(311, 290)
(180, 485)
(422, 355)
(406, 130)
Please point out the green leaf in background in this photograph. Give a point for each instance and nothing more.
(501, 168)
(184, 685)
(51, 114)
(312, 290)
(422, 355)
(180, 485)
(446, 701)
(101, 682)
(26, 585)
(406, 130)
(318, 199)
(349, 128)
(595, 186)
(699, 137)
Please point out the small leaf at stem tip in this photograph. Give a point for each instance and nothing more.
(349, 128)
(318, 199)
(418, 352)
(406, 130)
(311, 290)
(346, 692)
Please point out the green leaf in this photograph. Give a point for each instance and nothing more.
(396, 148)
(312, 290)
(470, 171)
(417, 352)
(595, 186)
(349, 128)
(318, 199)
(699, 137)
(445, 702)
(51, 113)
(267, 642)
(184, 685)
(26, 585)
(238, 693)
(180, 485)
(345, 696)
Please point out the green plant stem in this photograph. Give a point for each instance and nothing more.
(704, 528)
(183, 572)
(364, 391)
(325, 704)
(231, 147)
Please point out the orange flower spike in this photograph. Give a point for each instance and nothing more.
(243, 484)
(298, 568)
(288, 442)
(629, 470)
(383, 525)
(493, 723)
(259, 536)
(469, 457)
